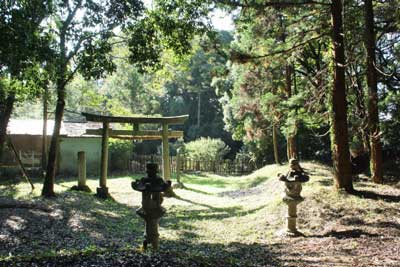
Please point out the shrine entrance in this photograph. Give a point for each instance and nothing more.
(136, 134)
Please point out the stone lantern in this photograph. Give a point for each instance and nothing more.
(151, 211)
(293, 180)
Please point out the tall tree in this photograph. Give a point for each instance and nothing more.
(21, 48)
(339, 131)
(288, 32)
(45, 99)
(372, 81)
(338, 102)
(82, 29)
(291, 148)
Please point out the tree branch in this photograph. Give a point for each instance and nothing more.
(234, 3)
(247, 57)
(71, 15)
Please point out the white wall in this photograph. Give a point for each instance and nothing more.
(69, 148)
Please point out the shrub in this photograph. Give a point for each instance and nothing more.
(120, 154)
(206, 149)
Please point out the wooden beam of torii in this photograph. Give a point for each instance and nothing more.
(135, 134)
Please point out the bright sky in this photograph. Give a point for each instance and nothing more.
(221, 20)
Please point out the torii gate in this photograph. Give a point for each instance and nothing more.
(135, 134)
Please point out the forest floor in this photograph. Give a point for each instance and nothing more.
(214, 221)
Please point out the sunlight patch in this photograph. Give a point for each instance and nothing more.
(15, 223)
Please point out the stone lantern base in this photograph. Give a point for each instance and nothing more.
(293, 180)
(291, 218)
(152, 218)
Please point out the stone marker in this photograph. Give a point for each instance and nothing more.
(81, 173)
(151, 210)
(292, 197)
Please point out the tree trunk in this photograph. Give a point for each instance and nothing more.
(6, 109)
(275, 143)
(198, 113)
(48, 185)
(291, 138)
(44, 133)
(49, 179)
(291, 147)
(373, 112)
(361, 111)
(339, 131)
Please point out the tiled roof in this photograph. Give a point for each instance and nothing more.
(76, 129)
(35, 127)
(31, 127)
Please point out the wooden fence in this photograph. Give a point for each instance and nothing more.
(29, 159)
(221, 167)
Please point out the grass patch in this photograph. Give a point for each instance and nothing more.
(209, 183)
(214, 221)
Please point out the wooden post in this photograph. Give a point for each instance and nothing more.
(178, 165)
(102, 191)
(21, 165)
(165, 160)
(165, 153)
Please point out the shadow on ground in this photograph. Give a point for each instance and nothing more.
(172, 253)
(345, 234)
(375, 196)
(73, 221)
